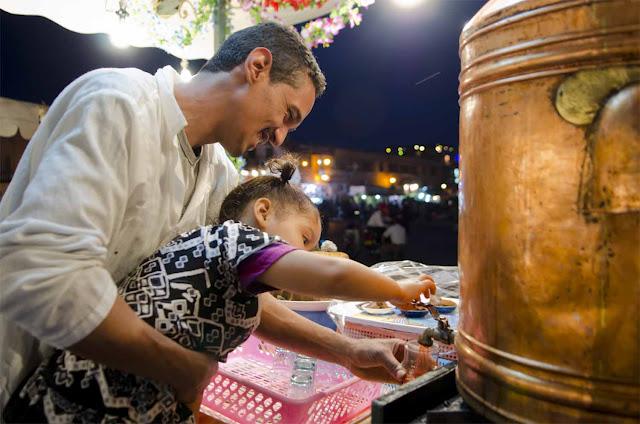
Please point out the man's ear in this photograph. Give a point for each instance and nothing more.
(262, 209)
(257, 65)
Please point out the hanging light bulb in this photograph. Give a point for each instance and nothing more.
(119, 39)
(185, 74)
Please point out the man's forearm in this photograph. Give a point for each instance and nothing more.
(124, 341)
(283, 327)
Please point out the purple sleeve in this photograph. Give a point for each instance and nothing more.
(255, 265)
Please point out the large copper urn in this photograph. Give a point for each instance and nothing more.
(550, 211)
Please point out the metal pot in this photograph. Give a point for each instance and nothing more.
(549, 245)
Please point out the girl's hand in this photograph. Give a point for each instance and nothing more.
(411, 290)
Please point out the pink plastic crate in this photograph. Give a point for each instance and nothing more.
(246, 390)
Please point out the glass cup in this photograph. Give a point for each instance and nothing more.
(302, 376)
(417, 360)
(281, 365)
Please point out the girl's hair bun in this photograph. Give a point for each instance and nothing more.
(284, 165)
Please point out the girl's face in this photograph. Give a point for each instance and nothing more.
(299, 229)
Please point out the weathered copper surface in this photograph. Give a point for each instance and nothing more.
(549, 247)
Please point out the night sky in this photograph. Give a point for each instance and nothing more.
(372, 99)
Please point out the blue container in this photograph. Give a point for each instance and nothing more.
(446, 309)
(413, 314)
(320, 317)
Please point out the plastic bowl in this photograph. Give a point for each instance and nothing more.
(445, 309)
(414, 313)
(449, 307)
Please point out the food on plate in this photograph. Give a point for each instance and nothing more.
(413, 306)
(377, 305)
(444, 302)
(377, 308)
(415, 309)
(445, 306)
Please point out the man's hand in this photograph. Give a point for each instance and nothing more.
(411, 290)
(378, 360)
(375, 359)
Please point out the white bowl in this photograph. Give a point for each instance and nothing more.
(306, 305)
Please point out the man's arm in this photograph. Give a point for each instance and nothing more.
(124, 341)
(368, 358)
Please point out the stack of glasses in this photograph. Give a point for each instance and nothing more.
(300, 368)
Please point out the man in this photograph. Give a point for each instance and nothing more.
(123, 162)
(397, 236)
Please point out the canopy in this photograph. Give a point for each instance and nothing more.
(144, 28)
(19, 116)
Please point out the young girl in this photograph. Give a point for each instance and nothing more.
(202, 290)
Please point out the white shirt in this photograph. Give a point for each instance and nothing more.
(376, 220)
(396, 233)
(102, 184)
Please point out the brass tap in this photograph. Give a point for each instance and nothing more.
(443, 333)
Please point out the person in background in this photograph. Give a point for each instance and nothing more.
(123, 162)
(397, 236)
(376, 220)
(204, 290)
(373, 232)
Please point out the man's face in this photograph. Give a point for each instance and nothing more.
(266, 113)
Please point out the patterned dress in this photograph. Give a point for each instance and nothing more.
(191, 291)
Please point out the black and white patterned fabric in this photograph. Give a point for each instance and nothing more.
(188, 290)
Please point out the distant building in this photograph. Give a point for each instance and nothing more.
(377, 172)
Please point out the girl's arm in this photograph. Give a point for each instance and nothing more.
(312, 274)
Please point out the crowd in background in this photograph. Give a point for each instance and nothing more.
(380, 231)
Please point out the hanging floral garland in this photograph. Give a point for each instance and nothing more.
(318, 32)
(195, 17)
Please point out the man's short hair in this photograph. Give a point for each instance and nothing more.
(291, 57)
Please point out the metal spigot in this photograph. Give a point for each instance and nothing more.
(443, 333)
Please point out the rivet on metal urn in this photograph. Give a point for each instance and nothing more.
(549, 245)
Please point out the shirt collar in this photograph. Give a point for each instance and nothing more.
(187, 150)
(174, 118)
